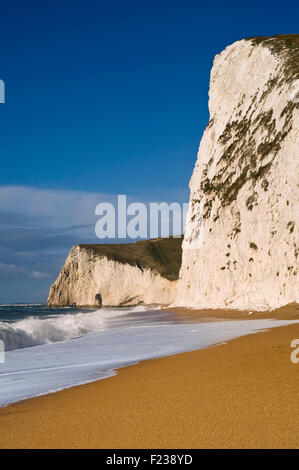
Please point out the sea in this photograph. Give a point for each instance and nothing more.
(45, 350)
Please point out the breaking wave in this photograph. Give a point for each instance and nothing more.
(34, 331)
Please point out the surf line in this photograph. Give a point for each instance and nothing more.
(46, 369)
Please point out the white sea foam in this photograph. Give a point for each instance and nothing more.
(83, 347)
(34, 331)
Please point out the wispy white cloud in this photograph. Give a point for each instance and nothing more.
(65, 208)
(13, 271)
(39, 226)
(53, 208)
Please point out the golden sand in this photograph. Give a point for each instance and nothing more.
(288, 312)
(244, 394)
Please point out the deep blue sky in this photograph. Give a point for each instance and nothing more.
(108, 97)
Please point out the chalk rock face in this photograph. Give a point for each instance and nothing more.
(119, 275)
(241, 242)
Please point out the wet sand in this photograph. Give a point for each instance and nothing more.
(243, 394)
(288, 312)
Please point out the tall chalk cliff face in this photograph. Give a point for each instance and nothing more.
(241, 242)
(126, 274)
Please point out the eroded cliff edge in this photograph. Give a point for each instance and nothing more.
(123, 274)
(241, 242)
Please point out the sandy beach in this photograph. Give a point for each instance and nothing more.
(149, 243)
(287, 312)
(243, 394)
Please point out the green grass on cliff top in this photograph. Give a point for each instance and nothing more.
(286, 45)
(163, 255)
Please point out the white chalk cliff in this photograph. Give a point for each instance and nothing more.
(128, 274)
(241, 247)
(241, 243)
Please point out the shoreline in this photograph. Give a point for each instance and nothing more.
(186, 331)
(287, 312)
(239, 394)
